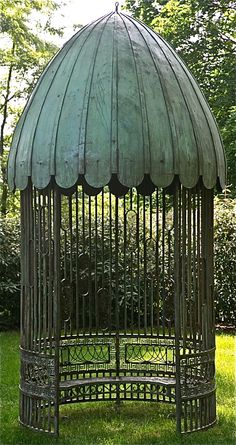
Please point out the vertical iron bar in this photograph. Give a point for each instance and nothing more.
(76, 262)
(177, 306)
(189, 267)
(131, 292)
(183, 303)
(157, 266)
(103, 258)
(199, 303)
(196, 414)
(138, 259)
(207, 253)
(210, 275)
(95, 264)
(84, 250)
(39, 270)
(111, 261)
(117, 263)
(151, 305)
(194, 272)
(31, 273)
(35, 270)
(65, 253)
(50, 271)
(203, 269)
(150, 216)
(181, 259)
(90, 272)
(169, 276)
(29, 302)
(31, 270)
(57, 290)
(44, 270)
(151, 279)
(71, 262)
(117, 296)
(145, 266)
(83, 219)
(125, 266)
(163, 262)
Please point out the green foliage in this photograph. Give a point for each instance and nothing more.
(23, 55)
(9, 273)
(145, 10)
(225, 266)
(225, 259)
(203, 33)
(22, 49)
(22, 31)
(135, 282)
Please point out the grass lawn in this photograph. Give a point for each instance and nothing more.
(138, 423)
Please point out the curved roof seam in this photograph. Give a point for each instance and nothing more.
(92, 67)
(184, 98)
(140, 91)
(188, 108)
(114, 100)
(161, 85)
(54, 148)
(29, 101)
(97, 22)
(169, 108)
(151, 32)
(193, 82)
(194, 89)
(71, 41)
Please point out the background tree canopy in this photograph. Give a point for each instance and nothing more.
(23, 55)
(203, 33)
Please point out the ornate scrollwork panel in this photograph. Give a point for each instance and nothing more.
(38, 376)
(126, 391)
(85, 353)
(197, 374)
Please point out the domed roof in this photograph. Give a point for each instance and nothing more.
(116, 100)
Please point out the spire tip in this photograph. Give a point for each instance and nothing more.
(116, 6)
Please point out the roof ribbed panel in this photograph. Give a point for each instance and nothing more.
(116, 100)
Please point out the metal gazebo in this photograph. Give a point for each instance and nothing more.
(117, 156)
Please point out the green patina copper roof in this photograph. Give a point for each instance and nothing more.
(116, 99)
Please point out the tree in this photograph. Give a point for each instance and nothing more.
(145, 10)
(202, 33)
(23, 55)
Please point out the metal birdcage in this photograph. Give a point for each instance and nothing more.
(117, 156)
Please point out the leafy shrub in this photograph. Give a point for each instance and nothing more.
(225, 266)
(9, 273)
(225, 259)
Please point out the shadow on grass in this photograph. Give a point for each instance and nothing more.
(138, 423)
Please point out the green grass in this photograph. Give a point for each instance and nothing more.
(138, 423)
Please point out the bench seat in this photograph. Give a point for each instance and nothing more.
(163, 381)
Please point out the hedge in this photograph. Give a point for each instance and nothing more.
(225, 266)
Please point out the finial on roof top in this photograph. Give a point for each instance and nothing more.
(117, 6)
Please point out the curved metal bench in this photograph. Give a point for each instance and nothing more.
(163, 381)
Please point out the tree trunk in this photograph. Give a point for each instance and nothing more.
(3, 203)
(4, 195)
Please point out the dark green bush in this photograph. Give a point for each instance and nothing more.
(225, 266)
(225, 260)
(9, 273)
